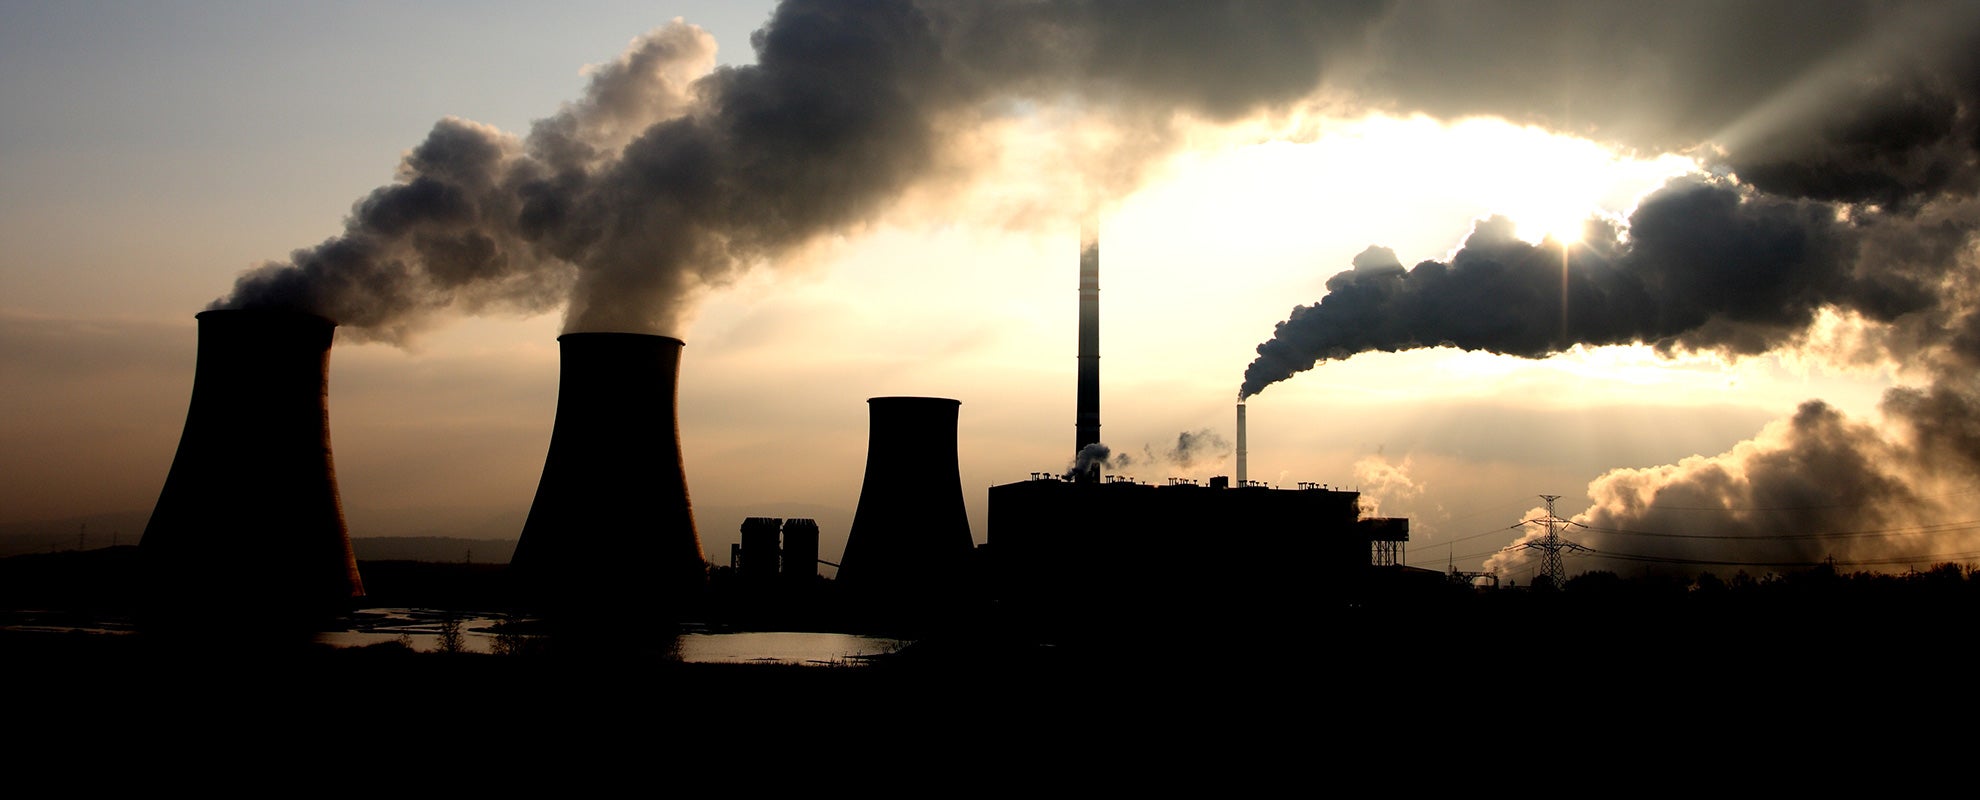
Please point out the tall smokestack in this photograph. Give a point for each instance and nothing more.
(1087, 421)
(611, 534)
(250, 522)
(909, 545)
(1240, 444)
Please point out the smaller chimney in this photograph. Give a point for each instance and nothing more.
(1240, 444)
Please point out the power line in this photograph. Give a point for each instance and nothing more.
(1937, 527)
(1812, 507)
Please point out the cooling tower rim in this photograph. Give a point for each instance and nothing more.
(913, 399)
(627, 335)
(295, 314)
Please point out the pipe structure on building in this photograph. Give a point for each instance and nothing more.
(250, 526)
(909, 546)
(611, 533)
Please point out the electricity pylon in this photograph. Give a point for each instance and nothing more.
(1550, 547)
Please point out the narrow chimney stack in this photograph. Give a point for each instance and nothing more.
(1087, 421)
(1240, 444)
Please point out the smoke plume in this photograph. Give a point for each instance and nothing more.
(1706, 265)
(669, 177)
(1849, 154)
(1190, 449)
(1092, 459)
(1195, 446)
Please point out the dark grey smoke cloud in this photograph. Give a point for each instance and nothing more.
(1093, 459)
(1706, 265)
(667, 178)
(1849, 137)
(1194, 446)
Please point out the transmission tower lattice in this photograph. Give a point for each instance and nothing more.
(1550, 547)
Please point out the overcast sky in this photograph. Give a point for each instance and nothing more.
(886, 201)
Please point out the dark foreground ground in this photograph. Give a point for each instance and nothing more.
(1667, 706)
(1752, 680)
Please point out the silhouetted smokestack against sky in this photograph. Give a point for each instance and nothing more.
(1088, 419)
(1241, 476)
(249, 524)
(910, 536)
(611, 535)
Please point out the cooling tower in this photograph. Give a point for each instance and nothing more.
(910, 539)
(249, 524)
(611, 536)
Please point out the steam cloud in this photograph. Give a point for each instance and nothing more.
(666, 177)
(1190, 449)
(1848, 151)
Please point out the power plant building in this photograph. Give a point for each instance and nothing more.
(1114, 551)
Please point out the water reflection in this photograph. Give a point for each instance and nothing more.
(429, 631)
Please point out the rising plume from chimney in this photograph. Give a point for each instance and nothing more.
(250, 521)
(611, 534)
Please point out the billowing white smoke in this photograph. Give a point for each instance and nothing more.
(1191, 449)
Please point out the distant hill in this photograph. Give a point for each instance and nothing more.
(98, 531)
(89, 532)
(441, 549)
(444, 535)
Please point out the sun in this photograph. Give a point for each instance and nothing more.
(1562, 227)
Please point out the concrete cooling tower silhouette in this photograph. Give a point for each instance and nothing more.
(611, 535)
(910, 541)
(249, 524)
